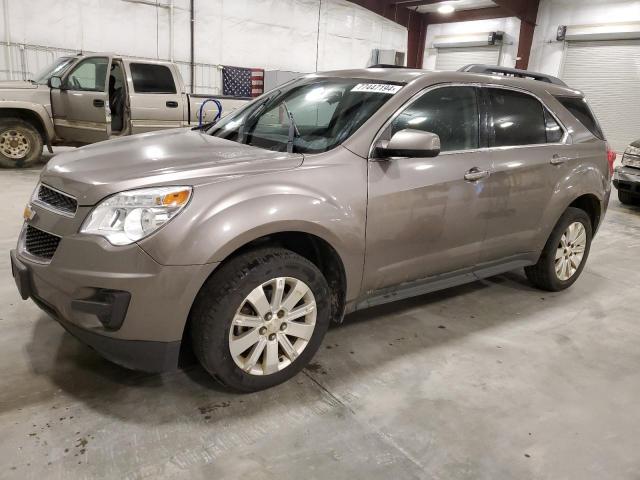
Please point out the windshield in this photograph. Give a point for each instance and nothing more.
(313, 114)
(57, 68)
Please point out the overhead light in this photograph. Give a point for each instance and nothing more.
(446, 9)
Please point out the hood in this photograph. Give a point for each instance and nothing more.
(173, 157)
(16, 85)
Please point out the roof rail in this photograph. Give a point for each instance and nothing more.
(386, 65)
(511, 72)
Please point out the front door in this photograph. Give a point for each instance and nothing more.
(428, 216)
(81, 107)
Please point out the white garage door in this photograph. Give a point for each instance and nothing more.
(455, 58)
(608, 72)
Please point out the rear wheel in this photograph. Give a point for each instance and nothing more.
(565, 253)
(260, 318)
(627, 198)
(20, 143)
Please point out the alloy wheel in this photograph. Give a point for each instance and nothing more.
(272, 326)
(570, 251)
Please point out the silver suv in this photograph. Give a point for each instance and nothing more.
(330, 194)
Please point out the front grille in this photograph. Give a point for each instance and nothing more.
(39, 243)
(57, 200)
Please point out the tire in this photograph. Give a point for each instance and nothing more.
(627, 198)
(20, 143)
(543, 274)
(215, 310)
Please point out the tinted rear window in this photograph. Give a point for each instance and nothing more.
(579, 109)
(518, 118)
(150, 78)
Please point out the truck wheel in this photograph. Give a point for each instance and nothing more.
(20, 143)
(260, 318)
(565, 253)
(627, 198)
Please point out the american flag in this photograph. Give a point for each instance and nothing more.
(242, 82)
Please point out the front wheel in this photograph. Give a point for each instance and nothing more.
(20, 143)
(565, 253)
(260, 318)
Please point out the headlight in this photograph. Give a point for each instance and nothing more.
(631, 157)
(127, 217)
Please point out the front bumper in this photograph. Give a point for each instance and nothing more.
(627, 179)
(117, 300)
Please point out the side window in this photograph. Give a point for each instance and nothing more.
(518, 118)
(89, 75)
(579, 109)
(151, 78)
(449, 112)
(553, 128)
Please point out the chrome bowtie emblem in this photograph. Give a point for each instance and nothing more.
(29, 213)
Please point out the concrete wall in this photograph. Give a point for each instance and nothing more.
(295, 35)
(511, 27)
(546, 52)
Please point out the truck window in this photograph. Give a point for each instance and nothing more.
(89, 75)
(150, 78)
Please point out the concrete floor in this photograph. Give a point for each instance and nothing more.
(493, 380)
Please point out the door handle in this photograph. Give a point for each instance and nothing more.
(98, 103)
(172, 104)
(558, 160)
(475, 174)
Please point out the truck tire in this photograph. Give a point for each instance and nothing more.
(20, 143)
(568, 246)
(260, 318)
(628, 198)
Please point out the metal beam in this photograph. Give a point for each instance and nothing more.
(416, 3)
(525, 10)
(467, 15)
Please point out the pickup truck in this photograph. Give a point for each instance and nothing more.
(84, 99)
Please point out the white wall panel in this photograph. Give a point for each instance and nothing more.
(270, 34)
(348, 34)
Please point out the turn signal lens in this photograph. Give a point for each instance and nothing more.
(176, 199)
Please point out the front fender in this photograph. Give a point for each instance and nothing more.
(34, 109)
(209, 231)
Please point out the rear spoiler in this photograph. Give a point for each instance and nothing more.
(511, 72)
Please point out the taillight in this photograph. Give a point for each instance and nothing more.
(611, 157)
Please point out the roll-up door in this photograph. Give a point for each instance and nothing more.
(454, 58)
(608, 72)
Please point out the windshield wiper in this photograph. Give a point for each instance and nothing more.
(293, 128)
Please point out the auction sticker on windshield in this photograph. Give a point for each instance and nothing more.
(376, 88)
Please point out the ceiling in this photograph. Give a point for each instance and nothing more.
(458, 4)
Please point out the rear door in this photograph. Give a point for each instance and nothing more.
(155, 101)
(529, 154)
(81, 107)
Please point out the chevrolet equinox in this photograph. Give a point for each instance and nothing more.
(332, 193)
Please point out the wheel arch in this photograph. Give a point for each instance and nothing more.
(590, 204)
(34, 114)
(314, 248)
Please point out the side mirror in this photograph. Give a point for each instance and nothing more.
(409, 143)
(55, 82)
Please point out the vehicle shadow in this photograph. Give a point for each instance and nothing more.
(119, 393)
